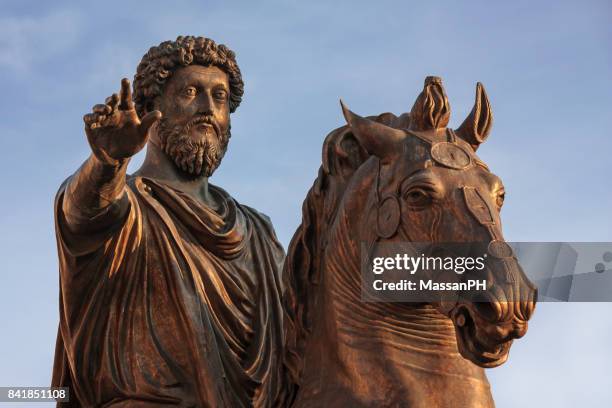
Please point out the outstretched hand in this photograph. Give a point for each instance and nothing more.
(114, 130)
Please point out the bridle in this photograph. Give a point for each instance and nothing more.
(453, 155)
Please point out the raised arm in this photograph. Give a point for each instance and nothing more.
(115, 134)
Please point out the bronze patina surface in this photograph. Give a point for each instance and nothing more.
(170, 291)
(400, 179)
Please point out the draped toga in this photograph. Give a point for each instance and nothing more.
(165, 301)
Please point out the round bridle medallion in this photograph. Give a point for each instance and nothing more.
(450, 155)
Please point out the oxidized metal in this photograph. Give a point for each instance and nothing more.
(478, 206)
(388, 217)
(170, 291)
(450, 155)
(341, 351)
(500, 249)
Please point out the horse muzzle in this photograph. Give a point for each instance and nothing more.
(486, 325)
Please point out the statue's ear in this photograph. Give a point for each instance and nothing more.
(378, 139)
(477, 125)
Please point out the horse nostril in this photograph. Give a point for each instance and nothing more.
(527, 307)
(488, 308)
(519, 330)
(532, 304)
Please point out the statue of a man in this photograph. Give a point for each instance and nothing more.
(170, 290)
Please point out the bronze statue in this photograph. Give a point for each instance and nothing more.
(170, 290)
(390, 179)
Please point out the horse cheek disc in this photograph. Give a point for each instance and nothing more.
(388, 217)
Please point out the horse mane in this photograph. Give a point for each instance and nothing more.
(342, 156)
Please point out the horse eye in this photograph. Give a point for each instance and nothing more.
(417, 197)
(500, 199)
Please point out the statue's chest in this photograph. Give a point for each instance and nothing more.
(217, 292)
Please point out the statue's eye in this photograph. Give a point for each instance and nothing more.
(417, 197)
(220, 94)
(190, 91)
(500, 199)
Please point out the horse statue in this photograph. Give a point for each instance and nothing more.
(392, 179)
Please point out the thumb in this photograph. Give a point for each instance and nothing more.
(148, 121)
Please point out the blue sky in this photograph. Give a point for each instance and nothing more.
(546, 67)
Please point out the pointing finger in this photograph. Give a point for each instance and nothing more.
(126, 102)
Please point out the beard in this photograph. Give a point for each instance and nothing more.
(195, 154)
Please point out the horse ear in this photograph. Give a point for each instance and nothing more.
(380, 140)
(477, 125)
(431, 109)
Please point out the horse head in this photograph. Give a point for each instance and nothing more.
(433, 188)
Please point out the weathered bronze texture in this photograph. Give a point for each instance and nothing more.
(393, 179)
(170, 290)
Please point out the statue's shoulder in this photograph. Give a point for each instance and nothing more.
(255, 216)
(264, 218)
(263, 226)
(62, 187)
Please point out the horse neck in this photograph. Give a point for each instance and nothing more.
(353, 341)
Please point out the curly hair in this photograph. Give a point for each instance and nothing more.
(158, 64)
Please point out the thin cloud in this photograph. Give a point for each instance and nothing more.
(26, 40)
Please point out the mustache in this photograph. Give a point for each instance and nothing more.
(203, 119)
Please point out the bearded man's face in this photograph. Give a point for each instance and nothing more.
(195, 128)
